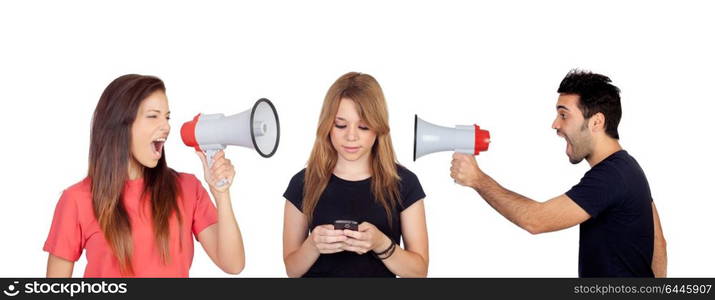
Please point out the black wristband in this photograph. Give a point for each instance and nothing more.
(386, 250)
(392, 251)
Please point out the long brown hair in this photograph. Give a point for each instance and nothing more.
(109, 158)
(364, 90)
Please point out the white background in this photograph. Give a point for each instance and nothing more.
(450, 62)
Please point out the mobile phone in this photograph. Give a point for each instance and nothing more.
(345, 224)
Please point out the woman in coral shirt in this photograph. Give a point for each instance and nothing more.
(132, 214)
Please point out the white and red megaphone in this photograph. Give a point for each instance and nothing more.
(256, 128)
(430, 138)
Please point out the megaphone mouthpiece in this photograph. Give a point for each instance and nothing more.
(481, 140)
(188, 133)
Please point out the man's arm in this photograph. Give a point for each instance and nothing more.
(535, 217)
(660, 255)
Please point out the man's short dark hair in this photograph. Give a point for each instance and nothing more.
(596, 95)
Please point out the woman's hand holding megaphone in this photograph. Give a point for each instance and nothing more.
(221, 170)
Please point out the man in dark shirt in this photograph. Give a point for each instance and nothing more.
(620, 233)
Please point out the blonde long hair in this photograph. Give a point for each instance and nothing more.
(369, 100)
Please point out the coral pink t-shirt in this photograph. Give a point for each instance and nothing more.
(75, 228)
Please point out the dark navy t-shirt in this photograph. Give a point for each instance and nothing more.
(353, 200)
(617, 241)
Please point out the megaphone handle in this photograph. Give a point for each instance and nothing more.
(210, 160)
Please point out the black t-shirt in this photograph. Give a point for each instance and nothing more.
(617, 241)
(353, 200)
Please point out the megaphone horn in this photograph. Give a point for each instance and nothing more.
(430, 138)
(257, 128)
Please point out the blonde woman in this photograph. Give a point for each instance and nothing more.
(352, 175)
